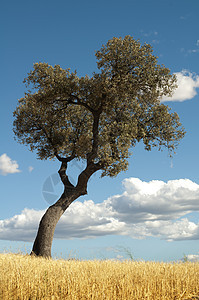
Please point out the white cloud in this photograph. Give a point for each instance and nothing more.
(195, 50)
(155, 200)
(149, 33)
(193, 257)
(144, 209)
(187, 87)
(30, 169)
(8, 166)
(21, 227)
(179, 230)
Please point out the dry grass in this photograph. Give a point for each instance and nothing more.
(25, 277)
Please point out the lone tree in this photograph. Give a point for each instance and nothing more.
(96, 119)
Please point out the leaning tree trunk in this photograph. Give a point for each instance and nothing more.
(43, 241)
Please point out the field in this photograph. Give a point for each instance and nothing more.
(25, 277)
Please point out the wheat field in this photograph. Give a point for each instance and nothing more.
(25, 277)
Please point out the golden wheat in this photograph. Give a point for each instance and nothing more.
(25, 277)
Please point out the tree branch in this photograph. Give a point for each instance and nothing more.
(95, 130)
(64, 177)
(84, 176)
(61, 159)
(64, 159)
(71, 100)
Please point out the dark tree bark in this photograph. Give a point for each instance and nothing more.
(43, 241)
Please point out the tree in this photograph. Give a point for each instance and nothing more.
(96, 119)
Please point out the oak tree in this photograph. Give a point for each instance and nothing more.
(97, 119)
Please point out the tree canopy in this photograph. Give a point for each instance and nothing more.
(100, 118)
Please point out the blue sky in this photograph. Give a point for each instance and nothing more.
(106, 221)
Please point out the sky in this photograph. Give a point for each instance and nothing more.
(151, 211)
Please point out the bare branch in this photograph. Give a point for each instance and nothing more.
(64, 177)
(64, 159)
(84, 176)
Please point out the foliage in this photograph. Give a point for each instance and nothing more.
(99, 118)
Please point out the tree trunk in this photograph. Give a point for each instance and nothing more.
(43, 241)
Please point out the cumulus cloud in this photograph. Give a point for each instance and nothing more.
(187, 87)
(8, 166)
(21, 227)
(144, 209)
(155, 200)
(81, 220)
